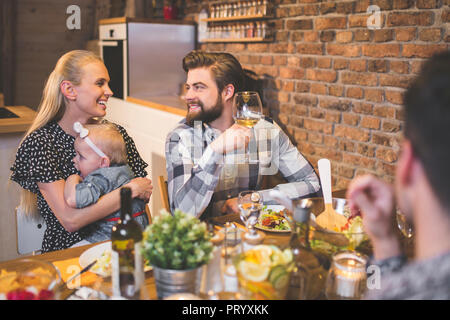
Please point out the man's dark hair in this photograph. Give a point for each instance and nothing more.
(225, 68)
(427, 122)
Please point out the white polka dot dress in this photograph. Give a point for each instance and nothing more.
(46, 156)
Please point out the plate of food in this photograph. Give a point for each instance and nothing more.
(101, 253)
(272, 219)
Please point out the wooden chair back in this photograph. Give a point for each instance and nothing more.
(164, 192)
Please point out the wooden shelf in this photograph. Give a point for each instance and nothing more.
(238, 18)
(239, 40)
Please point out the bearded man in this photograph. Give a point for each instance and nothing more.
(204, 172)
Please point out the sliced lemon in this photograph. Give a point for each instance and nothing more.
(261, 254)
(287, 256)
(253, 272)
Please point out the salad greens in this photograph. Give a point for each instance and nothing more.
(272, 220)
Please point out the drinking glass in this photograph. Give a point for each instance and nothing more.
(405, 227)
(263, 272)
(247, 111)
(250, 205)
(347, 278)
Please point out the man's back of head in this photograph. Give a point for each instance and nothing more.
(427, 122)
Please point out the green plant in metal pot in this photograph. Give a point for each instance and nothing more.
(178, 242)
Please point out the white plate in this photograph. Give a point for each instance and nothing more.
(95, 253)
(275, 208)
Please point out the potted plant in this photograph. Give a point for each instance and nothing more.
(177, 246)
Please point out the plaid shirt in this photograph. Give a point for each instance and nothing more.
(201, 180)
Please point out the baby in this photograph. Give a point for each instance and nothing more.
(102, 161)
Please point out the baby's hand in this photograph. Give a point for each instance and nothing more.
(74, 178)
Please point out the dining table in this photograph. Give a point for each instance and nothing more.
(67, 260)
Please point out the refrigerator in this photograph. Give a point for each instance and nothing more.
(144, 57)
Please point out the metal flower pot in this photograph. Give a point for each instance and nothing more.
(169, 282)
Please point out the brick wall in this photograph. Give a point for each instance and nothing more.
(335, 85)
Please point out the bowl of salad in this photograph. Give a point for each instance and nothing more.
(351, 237)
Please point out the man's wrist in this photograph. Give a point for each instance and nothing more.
(386, 248)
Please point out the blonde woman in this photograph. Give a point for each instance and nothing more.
(76, 90)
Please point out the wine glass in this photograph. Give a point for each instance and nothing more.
(247, 108)
(250, 205)
(405, 227)
(247, 111)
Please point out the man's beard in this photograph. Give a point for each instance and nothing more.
(203, 115)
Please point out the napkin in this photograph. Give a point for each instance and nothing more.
(69, 268)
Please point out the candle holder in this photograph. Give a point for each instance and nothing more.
(347, 276)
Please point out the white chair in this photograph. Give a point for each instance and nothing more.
(30, 232)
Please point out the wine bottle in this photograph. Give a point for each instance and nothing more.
(127, 262)
(311, 267)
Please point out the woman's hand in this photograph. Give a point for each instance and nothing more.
(141, 188)
(70, 190)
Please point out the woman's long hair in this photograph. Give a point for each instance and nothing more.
(53, 105)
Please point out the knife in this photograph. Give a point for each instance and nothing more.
(89, 266)
(64, 290)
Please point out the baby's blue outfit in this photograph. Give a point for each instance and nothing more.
(101, 182)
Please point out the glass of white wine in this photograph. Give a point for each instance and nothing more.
(405, 227)
(247, 110)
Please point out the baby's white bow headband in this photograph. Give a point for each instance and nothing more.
(83, 132)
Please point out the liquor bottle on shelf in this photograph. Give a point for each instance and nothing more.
(264, 30)
(265, 8)
(202, 25)
(259, 7)
(127, 263)
(258, 30)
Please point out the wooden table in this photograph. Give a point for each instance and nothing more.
(149, 285)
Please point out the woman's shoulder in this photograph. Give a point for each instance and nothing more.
(41, 135)
(47, 135)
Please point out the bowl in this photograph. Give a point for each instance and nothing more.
(263, 272)
(29, 279)
(330, 242)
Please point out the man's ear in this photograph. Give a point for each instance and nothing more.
(406, 163)
(228, 92)
(105, 162)
(68, 90)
